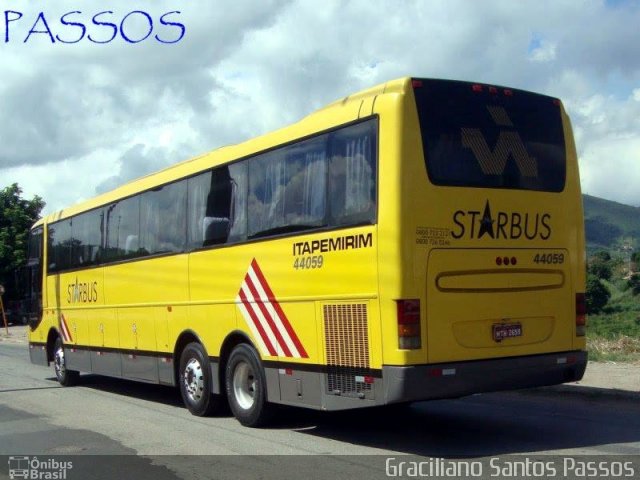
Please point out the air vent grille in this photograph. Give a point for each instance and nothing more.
(347, 348)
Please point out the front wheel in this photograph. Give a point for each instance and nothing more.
(66, 377)
(195, 382)
(247, 387)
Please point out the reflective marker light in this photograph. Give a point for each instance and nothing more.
(581, 315)
(476, 88)
(408, 324)
(416, 83)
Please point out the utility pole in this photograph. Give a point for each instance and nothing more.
(4, 316)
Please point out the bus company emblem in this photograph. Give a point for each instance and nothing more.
(265, 317)
(508, 144)
(64, 329)
(477, 224)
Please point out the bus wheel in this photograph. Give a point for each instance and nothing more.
(195, 381)
(247, 387)
(65, 377)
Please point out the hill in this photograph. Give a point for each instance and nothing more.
(610, 225)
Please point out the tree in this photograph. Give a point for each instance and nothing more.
(602, 255)
(634, 283)
(17, 215)
(597, 294)
(600, 265)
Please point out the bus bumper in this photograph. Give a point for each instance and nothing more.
(450, 380)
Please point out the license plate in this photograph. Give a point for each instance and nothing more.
(504, 330)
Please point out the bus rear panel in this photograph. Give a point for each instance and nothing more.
(491, 217)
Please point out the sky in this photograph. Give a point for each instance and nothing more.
(82, 112)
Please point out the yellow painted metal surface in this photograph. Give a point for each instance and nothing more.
(411, 253)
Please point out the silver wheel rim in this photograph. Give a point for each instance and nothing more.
(193, 379)
(244, 385)
(58, 363)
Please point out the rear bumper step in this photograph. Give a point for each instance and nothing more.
(450, 380)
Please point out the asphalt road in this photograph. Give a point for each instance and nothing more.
(153, 436)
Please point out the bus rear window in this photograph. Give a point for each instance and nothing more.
(491, 137)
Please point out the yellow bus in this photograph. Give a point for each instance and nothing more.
(421, 239)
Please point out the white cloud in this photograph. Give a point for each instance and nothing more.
(545, 52)
(110, 112)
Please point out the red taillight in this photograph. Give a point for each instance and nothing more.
(508, 93)
(476, 88)
(408, 324)
(416, 83)
(581, 314)
(493, 90)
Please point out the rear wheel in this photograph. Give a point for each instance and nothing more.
(195, 382)
(65, 376)
(247, 387)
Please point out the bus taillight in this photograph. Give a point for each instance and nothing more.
(581, 315)
(408, 324)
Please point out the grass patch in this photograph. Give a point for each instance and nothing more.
(616, 323)
(614, 334)
(619, 349)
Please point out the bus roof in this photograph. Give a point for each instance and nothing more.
(340, 111)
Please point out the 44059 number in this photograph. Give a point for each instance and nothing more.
(548, 258)
(308, 263)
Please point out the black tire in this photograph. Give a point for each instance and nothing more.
(246, 387)
(65, 377)
(194, 379)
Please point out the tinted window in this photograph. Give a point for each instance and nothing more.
(123, 229)
(163, 223)
(352, 181)
(60, 241)
(217, 206)
(88, 236)
(287, 188)
(498, 139)
(35, 245)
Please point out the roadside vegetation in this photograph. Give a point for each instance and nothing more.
(613, 306)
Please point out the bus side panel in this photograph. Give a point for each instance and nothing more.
(138, 292)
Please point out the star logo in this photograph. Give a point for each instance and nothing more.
(486, 222)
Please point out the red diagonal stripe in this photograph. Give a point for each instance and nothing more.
(257, 324)
(267, 316)
(65, 329)
(279, 311)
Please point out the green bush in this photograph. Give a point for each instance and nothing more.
(634, 283)
(597, 294)
(601, 265)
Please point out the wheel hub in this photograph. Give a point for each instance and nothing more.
(59, 364)
(244, 385)
(193, 379)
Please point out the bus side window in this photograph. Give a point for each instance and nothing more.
(60, 241)
(162, 220)
(217, 206)
(123, 221)
(352, 174)
(87, 236)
